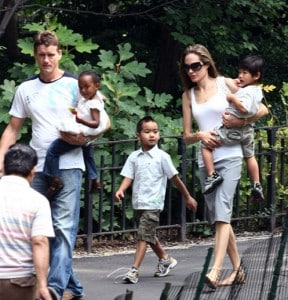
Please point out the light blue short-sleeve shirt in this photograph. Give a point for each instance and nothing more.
(149, 171)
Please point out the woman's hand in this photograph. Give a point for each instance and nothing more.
(231, 121)
(210, 139)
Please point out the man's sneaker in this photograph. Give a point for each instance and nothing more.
(211, 182)
(164, 266)
(257, 192)
(131, 276)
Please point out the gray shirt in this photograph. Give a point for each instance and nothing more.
(149, 171)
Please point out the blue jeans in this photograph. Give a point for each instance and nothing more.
(65, 207)
(59, 147)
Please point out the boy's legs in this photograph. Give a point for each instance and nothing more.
(213, 178)
(148, 221)
(252, 164)
(253, 171)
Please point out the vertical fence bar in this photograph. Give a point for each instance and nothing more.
(88, 215)
(183, 166)
(271, 178)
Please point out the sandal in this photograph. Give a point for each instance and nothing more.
(212, 278)
(238, 278)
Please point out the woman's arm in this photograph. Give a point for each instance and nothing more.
(189, 137)
(231, 121)
(207, 137)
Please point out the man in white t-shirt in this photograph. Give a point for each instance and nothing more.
(25, 225)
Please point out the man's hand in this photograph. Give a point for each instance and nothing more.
(74, 139)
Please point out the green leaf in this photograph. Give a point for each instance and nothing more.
(86, 46)
(125, 52)
(107, 59)
(26, 46)
(136, 68)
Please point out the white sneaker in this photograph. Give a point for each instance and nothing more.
(164, 266)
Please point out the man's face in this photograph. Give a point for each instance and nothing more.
(47, 58)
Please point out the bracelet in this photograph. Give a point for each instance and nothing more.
(245, 122)
(88, 140)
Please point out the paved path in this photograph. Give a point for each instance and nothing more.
(92, 271)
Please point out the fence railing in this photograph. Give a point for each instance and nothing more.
(101, 217)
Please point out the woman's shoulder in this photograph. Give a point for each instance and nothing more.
(227, 84)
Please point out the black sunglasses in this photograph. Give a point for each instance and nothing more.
(194, 67)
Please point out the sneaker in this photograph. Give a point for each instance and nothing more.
(211, 182)
(164, 266)
(131, 276)
(257, 192)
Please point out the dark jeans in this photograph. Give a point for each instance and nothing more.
(59, 147)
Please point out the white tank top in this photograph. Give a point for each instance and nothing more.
(208, 115)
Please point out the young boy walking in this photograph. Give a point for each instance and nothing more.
(148, 169)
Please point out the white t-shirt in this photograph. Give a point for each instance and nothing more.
(24, 213)
(250, 96)
(149, 171)
(208, 115)
(46, 104)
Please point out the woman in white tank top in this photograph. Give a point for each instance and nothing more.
(204, 99)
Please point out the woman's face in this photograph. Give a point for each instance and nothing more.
(194, 67)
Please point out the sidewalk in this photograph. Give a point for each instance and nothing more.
(92, 271)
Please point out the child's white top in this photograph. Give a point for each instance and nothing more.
(83, 111)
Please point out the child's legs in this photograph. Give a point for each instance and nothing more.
(90, 164)
(252, 167)
(57, 148)
(208, 160)
(147, 220)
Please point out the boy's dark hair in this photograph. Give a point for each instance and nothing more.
(144, 120)
(253, 64)
(47, 38)
(19, 160)
(95, 76)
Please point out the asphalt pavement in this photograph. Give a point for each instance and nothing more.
(98, 274)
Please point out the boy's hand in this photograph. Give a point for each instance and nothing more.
(119, 195)
(191, 204)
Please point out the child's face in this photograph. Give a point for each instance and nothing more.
(246, 78)
(149, 135)
(87, 86)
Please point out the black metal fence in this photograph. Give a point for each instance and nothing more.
(101, 217)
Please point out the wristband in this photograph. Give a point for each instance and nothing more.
(245, 122)
(88, 140)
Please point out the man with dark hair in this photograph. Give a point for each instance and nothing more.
(25, 225)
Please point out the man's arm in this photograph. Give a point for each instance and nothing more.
(9, 137)
(40, 248)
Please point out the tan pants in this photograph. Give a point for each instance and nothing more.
(18, 288)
